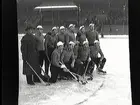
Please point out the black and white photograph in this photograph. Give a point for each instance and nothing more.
(73, 52)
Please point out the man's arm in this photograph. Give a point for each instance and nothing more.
(101, 53)
(73, 60)
(66, 39)
(97, 36)
(24, 49)
(62, 57)
(78, 35)
(46, 45)
(54, 59)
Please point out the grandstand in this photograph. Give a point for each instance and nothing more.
(111, 14)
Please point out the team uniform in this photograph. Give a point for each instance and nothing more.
(81, 37)
(72, 37)
(63, 37)
(91, 37)
(55, 65)
(50, 45)
(82, 59)
(99, 61)
(67, 58)
(40, 48)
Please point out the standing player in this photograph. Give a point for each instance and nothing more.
(50, 45)
(30, 54)
(71, 33)
(63, 36)
(40, 44)
(91, 35)
(81, 35)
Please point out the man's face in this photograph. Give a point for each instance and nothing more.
(61, 47)
(86, 44)
(30, 31)
(71, 46)
(91, 27)
(40, 30)
(62, 30)
(83, 30)
(55, 31)
(72, 28)
(97, 45)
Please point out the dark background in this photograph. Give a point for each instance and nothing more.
(109, 13)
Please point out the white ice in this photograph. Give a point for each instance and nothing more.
(117, 87)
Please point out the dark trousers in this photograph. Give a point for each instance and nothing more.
(35, 78)
(50, 50)
(81, 68)
(29, 79)
(42, 57)
(55, 71)
(97, 62)
(48, 59)
(67, 74)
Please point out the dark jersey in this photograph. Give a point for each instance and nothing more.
(83, 53)
(92, 36)
(63, 38)
(51, 41)
(71, 36)
(81, 37)
(55, 58)
(67, 55)
(40, 42)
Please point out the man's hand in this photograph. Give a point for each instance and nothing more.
(65, 69)
(101, 58)
(81, 62)
(89, 59)
(72, 65)
(63, 66)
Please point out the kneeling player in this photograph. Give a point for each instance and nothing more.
(56, 68)
(67, 58)
(83, 58)
(99, 61)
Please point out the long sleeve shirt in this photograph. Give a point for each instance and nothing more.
(95, 50)
(81, 37)
(92, 36)
(63, 38)
(83, 53)
(55, 58)
(71, 36)
(50, 41)
(40, 42)
(67, 55)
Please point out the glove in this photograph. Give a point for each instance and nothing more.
(63, 66)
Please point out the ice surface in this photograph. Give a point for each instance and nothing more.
(115, 91)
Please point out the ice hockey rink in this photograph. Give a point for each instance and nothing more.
(116, 89)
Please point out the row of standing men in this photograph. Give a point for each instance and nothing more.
(61, 48)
